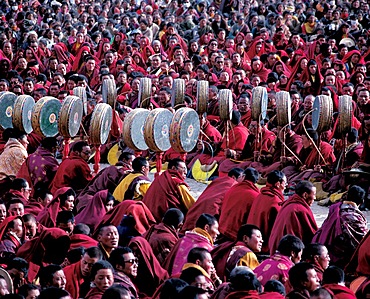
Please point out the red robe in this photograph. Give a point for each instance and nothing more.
(271, 295)
(94, 293)
(294, 218)
(81, 240)
(236, 206)
(264, 210)
(73, 172)
(247, 118)
(243, 295)
(340, 292)
(209, 201)
(237, 136)
(164, 194)
(74, 279)
(212, 133)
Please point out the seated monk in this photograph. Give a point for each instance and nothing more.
(203, 235)
(169, 190)
(303, 279)
(333, 280)
(276, 267)
(295, 216)
(101, 269)
(78, 273)
(108, 178)
(309, 157)
(108, 239)
(237, 204)
(11, 237)
(134, 185)
(211, 198)
(245, 109)
(238, 253)
(344, 227)
(74, 172)
(19, 189)
(267, 204)
(32, 228)
(318, 256)
(273, 289)
(40, 199)
(163, 236)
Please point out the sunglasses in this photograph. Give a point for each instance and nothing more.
(133, 261)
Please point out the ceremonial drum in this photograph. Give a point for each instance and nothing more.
(202, 96)
(81, 93)
(133, 129)
(45, 116)
(109, 92)
(145, 92)
(345, 114)
(157, 129)
(259, 103)
(70, 117)
(22, 113)
(323, 113)
(100, 124)
(283, 108)
(226, 104)
(184, 130)
(7, 100)
(178, 92)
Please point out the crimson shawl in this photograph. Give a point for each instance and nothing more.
(243, 295)
(209, 201)
(294, 218)
(150, 273)
(74, 279)
(286, 70)
(237, 137)
(94, 293)
(137, 209)
(5, 223)
(164, 194)
(81, 240)
(236, 206)
(339, 291)
(271, 295)
(296, 72)
(94, 211)
(314, 159)
(264, 211)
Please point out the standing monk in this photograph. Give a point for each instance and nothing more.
(295, 216)
(169, 190)
(267, 205)
(237, 204)
(74, 171)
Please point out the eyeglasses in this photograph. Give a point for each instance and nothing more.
(132, 261)
(86, 153)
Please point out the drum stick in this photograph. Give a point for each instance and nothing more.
(285, 146)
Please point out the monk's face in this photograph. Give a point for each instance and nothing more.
(109, 237)
(207, 264)
(59, 280)
(312, 282)
(131, 264)
(86, 264)
(296, 257)
(323, 259)
(104, 279)
(213, 230)
(181, 168)
(310, 197)
(254, 242)
(31, 229)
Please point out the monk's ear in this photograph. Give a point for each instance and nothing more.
(198, 262)
(245, 239)
(206, 227)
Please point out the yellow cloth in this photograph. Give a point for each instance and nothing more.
(336, 197)
(12, 158)
(204, 233)
(199, 174)
(191, 265)
(187, 198)
(140, 189)
(250, 260)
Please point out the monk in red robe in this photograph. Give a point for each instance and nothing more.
(266, 206)
(295, 216)
(169, 190)
(74, 171)
(211, 199)
(163, 236)
(245, 110)
(333, 280)
(237, 204)
(237, 135)
(79, 273)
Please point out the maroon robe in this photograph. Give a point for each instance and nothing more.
(209, 201)
(73, 172)
(247, 118)
(74, 279)
(236, 206)
(237, 138)
(340, 292)
(264, 211)
(81, 240)
(164, 194)
(294, 218)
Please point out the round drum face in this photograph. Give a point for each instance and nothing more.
(133, 129)
(22, 112)
(7, 100)
(101, 122)
(45, 115)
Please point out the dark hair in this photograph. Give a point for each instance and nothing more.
(18, 184)
(174, 163)
(65, 217)
(19, 264)
(274, 286)
(311, 133)
(251, 175)
(116, 257)
(352, 135)
(63, 197)
(46, 275)
(139, 163)
(12, 202)
(322, 293)
(333, 274)
(24, 289)
(82, 229)
(235, 172)
(171, 288)
(356, 194)
(275, 176)
(125, 156)
(298, 274)
(94, 252)
(49, 143)
(235, 117)
(205, 219)
(290, 243)
(244, 280)
(173, 217)
(197, 253)
(312, 250)
(303, 187)
(191, 292)
(53, 292)
(100, 265)
(190, 274)
(246, 230)
(116, 292)
(79, 145)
